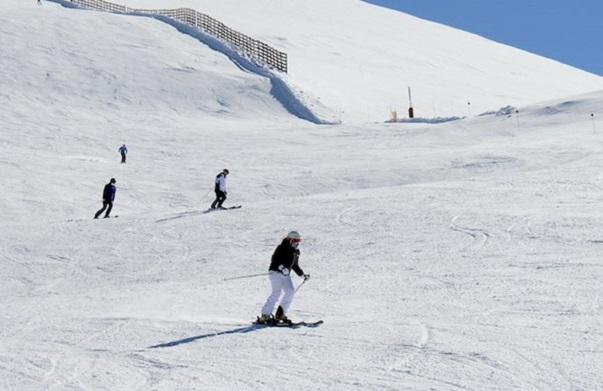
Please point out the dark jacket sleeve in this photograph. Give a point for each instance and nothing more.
(286, 256)
(106, 192)
(278, 258)
(298, 270)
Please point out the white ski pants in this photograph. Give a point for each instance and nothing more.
(281, 285)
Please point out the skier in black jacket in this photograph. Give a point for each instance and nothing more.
(284, 259)
(108, 198)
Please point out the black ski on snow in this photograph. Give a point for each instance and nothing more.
(100, 218)
(292, 325)
(228, 208)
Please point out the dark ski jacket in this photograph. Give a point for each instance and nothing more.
(287, 256)
(109, 192)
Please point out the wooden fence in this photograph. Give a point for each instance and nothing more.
(253, 48)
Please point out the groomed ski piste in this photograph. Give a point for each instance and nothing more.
(455, 256)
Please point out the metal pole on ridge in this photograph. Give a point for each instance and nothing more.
(411, 110)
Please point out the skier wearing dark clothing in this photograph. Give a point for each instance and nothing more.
(108, 198)
(220, 189)
(284, 259)
(124, 151)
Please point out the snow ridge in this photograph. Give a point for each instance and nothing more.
(280, 90)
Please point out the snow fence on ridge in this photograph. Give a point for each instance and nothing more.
(256, 50)
(247, 53)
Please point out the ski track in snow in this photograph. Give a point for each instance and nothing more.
(479, 236)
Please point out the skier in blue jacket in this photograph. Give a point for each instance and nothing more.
(108, 198)
(124, 151)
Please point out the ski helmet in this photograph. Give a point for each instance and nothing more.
(225, 171)
(112, 180)
(294, 235)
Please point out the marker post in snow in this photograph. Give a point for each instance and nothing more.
(411, 110)
(517, 118)
(592, 118)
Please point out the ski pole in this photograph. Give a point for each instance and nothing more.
(205, 196)
(247, 276)
(300, 285)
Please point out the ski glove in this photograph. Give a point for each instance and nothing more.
(283, 270)
(306, 277)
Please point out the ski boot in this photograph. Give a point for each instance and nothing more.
(280, 316)
(266, 319)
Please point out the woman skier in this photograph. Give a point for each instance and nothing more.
(284, 259)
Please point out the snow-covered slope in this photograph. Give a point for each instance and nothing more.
(459, 256)
(90, 62)
(359, 58)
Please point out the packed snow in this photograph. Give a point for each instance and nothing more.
(455, 256)
(359, 59)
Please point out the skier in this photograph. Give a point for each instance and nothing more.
(284, 259)
(124, 151)
(108, 198)
(220, 189)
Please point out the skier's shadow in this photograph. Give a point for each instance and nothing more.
(239, 330)
(181, 215)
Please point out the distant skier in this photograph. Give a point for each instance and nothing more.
(284, 259)
(124, 151)
(220, 189)
(108, 198)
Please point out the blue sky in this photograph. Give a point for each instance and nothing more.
(569, 31)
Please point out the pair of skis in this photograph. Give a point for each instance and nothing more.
(292, 325)
(224, 208)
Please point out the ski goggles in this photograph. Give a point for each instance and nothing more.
(295, 240)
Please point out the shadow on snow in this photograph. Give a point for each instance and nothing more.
(239, 330)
